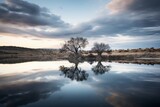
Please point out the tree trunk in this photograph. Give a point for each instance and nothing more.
(99, 57)
(76, 66)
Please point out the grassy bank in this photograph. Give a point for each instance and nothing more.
(9, 54)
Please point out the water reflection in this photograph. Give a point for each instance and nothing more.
(74, 72)
(15, 95)
(126, 85)
(100, 68)
(24, 94)
(30, 85)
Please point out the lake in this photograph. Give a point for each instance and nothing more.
(64, 84)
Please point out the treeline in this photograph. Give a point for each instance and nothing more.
(126, 50)
(152, 49)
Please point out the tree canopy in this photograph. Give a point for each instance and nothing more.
(74, 45)
(100, 47)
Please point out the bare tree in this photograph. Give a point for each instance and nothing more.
(75, 45)
(100, 48)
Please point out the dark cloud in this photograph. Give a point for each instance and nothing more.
(21, 6)
(134, 18)
(21, 12)
(147, 12)
(145, 5)
(137, 17)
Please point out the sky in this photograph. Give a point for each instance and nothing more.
(122, 24)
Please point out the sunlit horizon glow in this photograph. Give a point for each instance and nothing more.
(31, 42)
(48, 24)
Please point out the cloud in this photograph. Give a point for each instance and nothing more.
(134, 18)
(126, 41)
(143, 5)
(23, 13)
(116, 6)
(131, 17)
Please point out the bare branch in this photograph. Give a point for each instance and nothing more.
(75, 44)
(100, 47)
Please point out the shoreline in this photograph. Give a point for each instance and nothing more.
(149, 58)
(10, 54)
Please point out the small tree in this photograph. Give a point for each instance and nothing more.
(75, 45)
(99, 48)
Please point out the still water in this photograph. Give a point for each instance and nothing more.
(64, 84)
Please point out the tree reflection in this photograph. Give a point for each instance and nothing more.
(100, 68)
(74, 73)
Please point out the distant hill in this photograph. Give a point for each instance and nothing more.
(12, 53)
(13, 48)
(21, 48)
